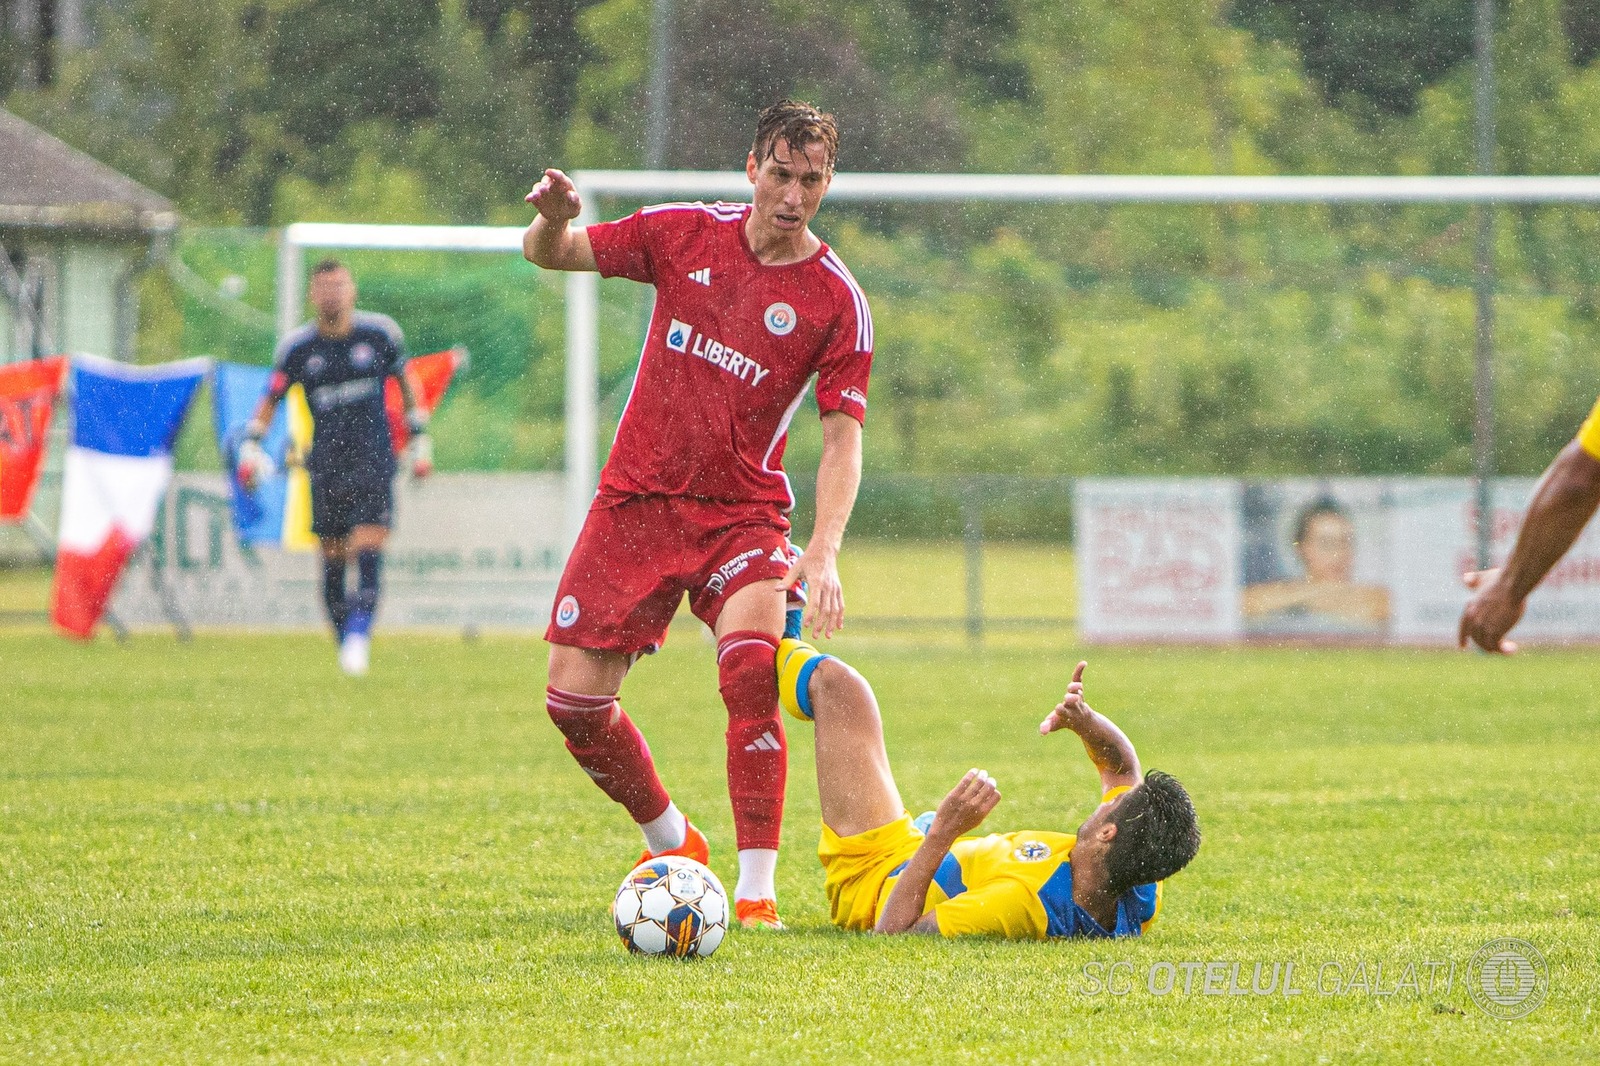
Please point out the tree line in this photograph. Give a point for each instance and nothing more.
(1060, 340)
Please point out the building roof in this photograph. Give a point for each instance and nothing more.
(47, 184)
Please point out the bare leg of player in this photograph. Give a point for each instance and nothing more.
(747, 633)
(582, 701)
(855, 785)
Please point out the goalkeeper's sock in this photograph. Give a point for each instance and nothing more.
(611, 751)
(758, 758)
(363, 604)
(333, 594)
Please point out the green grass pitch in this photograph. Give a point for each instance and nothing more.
(225, 851)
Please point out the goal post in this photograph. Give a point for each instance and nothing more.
(582, 288)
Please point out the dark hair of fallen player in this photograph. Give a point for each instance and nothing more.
(1157, 833)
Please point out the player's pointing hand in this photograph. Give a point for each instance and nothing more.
(556, 197)
(1072, 709)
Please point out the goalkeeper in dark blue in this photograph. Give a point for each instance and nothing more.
(343, 360)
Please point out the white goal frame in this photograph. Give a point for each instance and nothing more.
(582, 288)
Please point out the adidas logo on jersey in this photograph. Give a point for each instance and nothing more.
(703, 276)
(765, 742)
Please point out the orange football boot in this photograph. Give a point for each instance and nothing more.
(757, 913)
(694, 847)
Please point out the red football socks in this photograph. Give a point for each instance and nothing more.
(758, 758)
(610, 749)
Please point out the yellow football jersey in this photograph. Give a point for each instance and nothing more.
(1589, 434)
(1019, 885)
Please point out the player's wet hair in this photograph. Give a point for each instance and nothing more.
(798, 123)
(1157, 833)
(327, 266)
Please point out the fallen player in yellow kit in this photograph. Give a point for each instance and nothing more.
(889, 874)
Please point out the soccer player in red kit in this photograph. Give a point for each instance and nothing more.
(750, 308)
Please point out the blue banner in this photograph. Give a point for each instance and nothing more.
(236, 392)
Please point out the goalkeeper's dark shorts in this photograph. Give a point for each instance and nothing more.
(344, 499)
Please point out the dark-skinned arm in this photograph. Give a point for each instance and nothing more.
(1563, 502)
(1108, 746)
(962, 811)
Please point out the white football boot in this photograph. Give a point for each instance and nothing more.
(354, 653)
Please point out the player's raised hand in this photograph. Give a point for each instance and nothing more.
(1072, 710)
(1490, 614)
(967, 805)
(555, 197)
(819, 569)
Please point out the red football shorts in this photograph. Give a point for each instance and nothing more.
(637, 557)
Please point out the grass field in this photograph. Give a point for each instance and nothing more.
(225, 851)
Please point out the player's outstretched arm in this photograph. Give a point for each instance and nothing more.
(421, 446)
(838, 481)
(962, 811)
(1563, 502)
(1109, 747)
(551, 241)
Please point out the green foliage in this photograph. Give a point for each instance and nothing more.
(1375, 53)
(1010, 339)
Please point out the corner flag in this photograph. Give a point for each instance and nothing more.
(27, 399)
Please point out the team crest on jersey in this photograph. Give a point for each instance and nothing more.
(566, 612)
(780, 319)
(361, 355)
(678, 335)
(1032, 851)
(314, 365)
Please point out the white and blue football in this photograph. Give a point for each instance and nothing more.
(671, 906)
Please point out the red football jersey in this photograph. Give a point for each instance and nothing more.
(731, 351)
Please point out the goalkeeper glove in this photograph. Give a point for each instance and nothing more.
(254, 466)
(421, 455)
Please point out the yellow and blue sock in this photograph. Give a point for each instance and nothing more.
(797, 661)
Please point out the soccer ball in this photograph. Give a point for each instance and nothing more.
(671, 906)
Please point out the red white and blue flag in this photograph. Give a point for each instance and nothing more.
(126, 419)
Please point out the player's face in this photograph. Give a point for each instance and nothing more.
(1328, 549)
(789, 185)
(333, 294)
